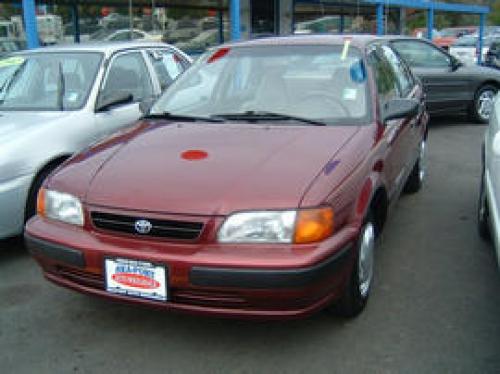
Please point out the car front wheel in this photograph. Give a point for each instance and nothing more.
(359, 286)
(483, 103)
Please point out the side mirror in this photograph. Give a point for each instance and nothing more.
(146, 105)
(106, 102)
(455, 64)
(399, 109)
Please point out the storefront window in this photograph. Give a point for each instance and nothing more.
(188, 24)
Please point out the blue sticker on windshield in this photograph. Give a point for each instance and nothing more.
(358, 72)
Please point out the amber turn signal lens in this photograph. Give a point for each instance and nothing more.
(40, 202)
(313, 225)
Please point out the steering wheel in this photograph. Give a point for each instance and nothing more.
(326, 97)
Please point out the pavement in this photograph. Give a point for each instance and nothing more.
(435, 306)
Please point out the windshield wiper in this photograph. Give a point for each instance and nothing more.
(267, 116)
(183, 117)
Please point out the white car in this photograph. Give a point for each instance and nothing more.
(55, 101)
(466, 48)
(124, 35)
(489, 196)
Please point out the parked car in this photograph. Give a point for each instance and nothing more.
(122, 35)
(57, 100)
(492, 58)
(421, 32)
(255, 187)
(466, 48)
(450, 86)
(489, 195)
(448, 35)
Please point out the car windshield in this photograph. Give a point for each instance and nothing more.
(47, 81)
(317, 83)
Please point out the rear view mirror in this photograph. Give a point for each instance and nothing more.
(400, 108)
(106, 102)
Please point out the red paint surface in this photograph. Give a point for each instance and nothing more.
(136, 281)
(220, 53)
(194, 155)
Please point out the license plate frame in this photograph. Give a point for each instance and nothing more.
(136, 278)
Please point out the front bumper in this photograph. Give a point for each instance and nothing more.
(13, 196)
(201, 280)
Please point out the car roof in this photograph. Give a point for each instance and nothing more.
(108, 48)
(357, 40)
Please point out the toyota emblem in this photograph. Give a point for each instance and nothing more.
(143, 226)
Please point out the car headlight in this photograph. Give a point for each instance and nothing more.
(289, 226)
(60, 206)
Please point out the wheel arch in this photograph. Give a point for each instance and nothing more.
(379, 205)
(43, 169)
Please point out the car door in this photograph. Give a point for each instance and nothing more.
(409, 90)
(397, 133)
(447, 87)
(127, 74)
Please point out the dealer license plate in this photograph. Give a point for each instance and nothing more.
(136, 278)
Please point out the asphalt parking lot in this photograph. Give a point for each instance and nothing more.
(435, 307)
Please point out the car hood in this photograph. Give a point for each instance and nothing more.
(242, 166)
(17, 124)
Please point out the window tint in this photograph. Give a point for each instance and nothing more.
(167, 65)
(403, 76)
(421, 54)
(128, 74)
(385, 76)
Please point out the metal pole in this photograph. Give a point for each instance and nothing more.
(30, 26)
(235, 20)
(131, 19)
(221, 25)
(482, 21)
(76, 21)
(430, 22)
(153, 15)
(380, 19)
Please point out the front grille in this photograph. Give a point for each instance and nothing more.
(160, 228)
(207, 298)
(81, 277)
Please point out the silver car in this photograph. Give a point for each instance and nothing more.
(56, 101)
(489, 195)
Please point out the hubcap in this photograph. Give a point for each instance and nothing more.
(421, 162)
(485, 103)
(365, 261)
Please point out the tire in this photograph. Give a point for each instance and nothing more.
(416, 178)
(483, 227)
(357, 291)
(482, 106)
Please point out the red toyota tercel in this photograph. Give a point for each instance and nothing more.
(255, 187)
